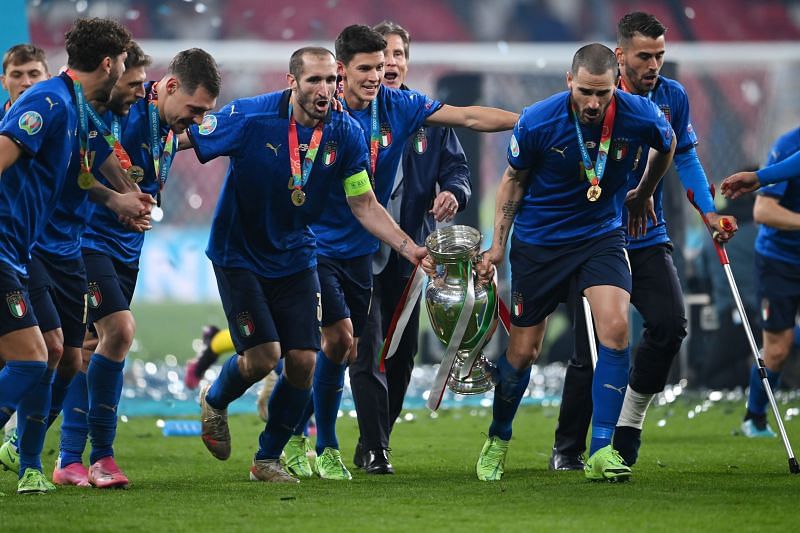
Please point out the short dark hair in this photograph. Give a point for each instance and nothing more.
(639, 22)
(596, 58)
(136, 56)
(296, 61)
(89, 41)
(387, 27)
(194, 68)
(19, 54)
(358, 39)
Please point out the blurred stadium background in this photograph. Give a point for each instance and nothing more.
(738, 60)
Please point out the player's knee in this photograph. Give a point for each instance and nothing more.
(668, 336)
(614, 333)
(258, 363)
(299, 368)
(118, 332)
(522, 356)
(338, 343)
(55, 351)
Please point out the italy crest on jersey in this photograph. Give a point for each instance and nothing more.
(420, 141)
(667, 114)
(95, 297)
(329, 154)
(16, 304)
(31, 122)
(386, 135)
(245, 324)
(619, 149)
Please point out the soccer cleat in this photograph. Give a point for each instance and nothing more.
(749, 427)
(73, 474)
(271, 471)
(34, 482)
(262, 403)
(190, 378)
(330, 466)
(295, 456)
(606, 464)
(9, 455)
(215, 433)
(105, 474)
(204, 356)
(492, 459)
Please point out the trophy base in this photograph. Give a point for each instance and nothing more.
(478, 381)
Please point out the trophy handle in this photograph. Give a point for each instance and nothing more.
(485, 331)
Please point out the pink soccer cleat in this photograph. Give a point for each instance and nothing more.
(72, 474)
(190, 378)
(105, 474)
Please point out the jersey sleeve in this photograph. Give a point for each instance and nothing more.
(522, 145)
(658, 132)
(99, 149)
(685, 136)
(220, 134)
(419, 108)
(782, 149)
(34, 120)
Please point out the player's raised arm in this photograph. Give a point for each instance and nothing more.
(476, 118)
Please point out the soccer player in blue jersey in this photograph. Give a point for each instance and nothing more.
(656, 288)
(777, 209)
(38, 169)
(146, 121)
(432, 183)
(23, 66)
(566, 228)
(289, 155)
(388, 118)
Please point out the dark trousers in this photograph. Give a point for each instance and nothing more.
(658, 297)
(379, 396)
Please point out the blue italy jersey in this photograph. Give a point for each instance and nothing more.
(43, 123)
(554, 208)
(671, 99)
(62, 234)
(402, 113)
(774, 243)
(104, 233)
(256, 226)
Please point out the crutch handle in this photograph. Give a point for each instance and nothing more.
(724, 223)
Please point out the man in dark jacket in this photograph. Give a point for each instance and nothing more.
(432, 185)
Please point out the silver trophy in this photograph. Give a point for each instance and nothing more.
(451, 292)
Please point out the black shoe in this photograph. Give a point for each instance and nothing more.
(627, 441)
(565, 462)
(377, 462)
(358, 456)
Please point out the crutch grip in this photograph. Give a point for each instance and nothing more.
(725, 224)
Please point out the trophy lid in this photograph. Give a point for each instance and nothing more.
(453, 243)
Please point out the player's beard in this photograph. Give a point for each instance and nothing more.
(308, 104)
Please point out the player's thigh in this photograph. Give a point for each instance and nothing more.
(656, 289)
(295, 303)
(69, 295)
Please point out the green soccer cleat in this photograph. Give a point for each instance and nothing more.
(34, 482)
(606, 465)
(750, 429)
(295, 456)
(330, 466)
(9, 455)
(492, 459)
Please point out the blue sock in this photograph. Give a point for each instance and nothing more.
(228, 386)
(757, 399)
(286, 406)
(59, 392)
(608, 391)
(508, 393)
(16, 379)
(327, 396)
(302, 426)
(32, 415)
(104, 381)
(75, 425)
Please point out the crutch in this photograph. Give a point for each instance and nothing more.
(794, 468)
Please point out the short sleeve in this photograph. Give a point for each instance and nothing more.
(419, 108)
(521, 146)
(356, 153)
(686, 138)
(220, 134)
(34, 119)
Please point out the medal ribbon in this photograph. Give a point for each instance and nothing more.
(7, 106)
(83, 121)
(374, 135)
(162, 155)
(593, 176)
(300, 174)
(111, 137)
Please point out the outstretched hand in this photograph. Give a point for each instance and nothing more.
(739, 184)
(640, 210)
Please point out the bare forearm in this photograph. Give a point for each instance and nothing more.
(477, 118)
(116, 176)
(509, 197)
(776, 216)
(376, 220)
(657, 166)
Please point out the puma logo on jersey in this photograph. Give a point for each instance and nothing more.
(49, 101)
(559, 151)
(620, 390)
(274, 148)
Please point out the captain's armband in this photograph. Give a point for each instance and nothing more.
(357, 184)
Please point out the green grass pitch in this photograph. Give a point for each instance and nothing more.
(694, 474)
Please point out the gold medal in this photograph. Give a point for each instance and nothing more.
(85, 180)
(298, 197)
(135, 174)
(593, 193)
